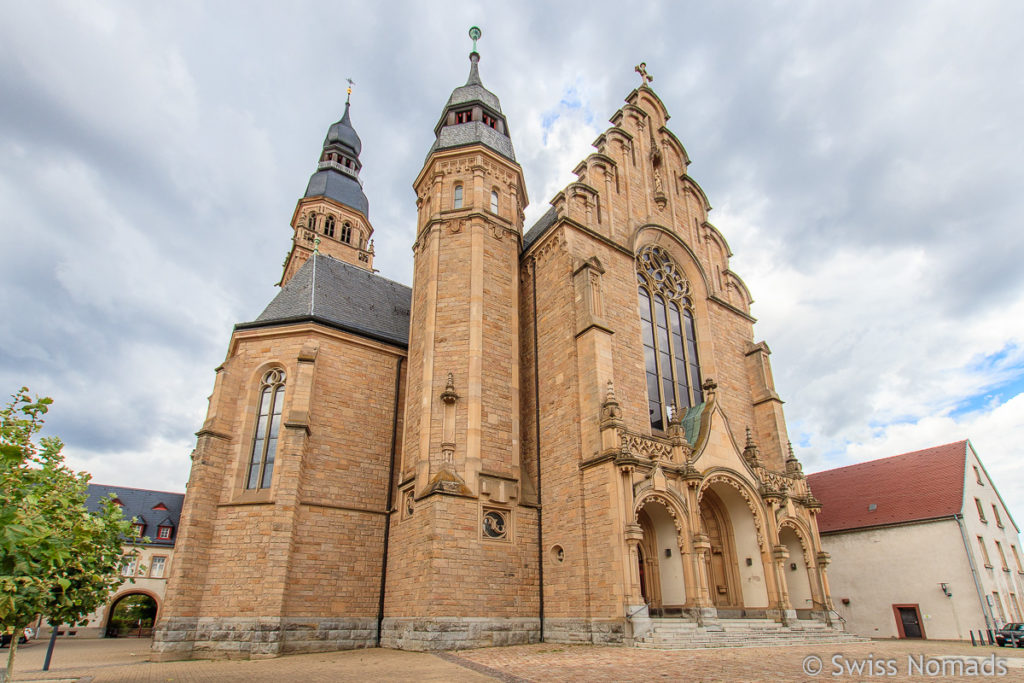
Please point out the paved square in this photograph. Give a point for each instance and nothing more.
(125, 660)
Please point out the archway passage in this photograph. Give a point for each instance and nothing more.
(663, 586)
(132, 616)
(723, 579)
(797, 573)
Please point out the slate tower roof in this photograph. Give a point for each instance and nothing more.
(344, 296)
(473, 115)
(337, 174)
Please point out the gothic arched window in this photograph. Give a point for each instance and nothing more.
(670, 341)
(329, 226)
(346, 232)
(312, 221)
(458, 197)
(268, 423)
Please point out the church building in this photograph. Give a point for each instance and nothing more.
(566, 433)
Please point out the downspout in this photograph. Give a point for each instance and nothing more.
(536, 425)
(390, 501)
(974, 571)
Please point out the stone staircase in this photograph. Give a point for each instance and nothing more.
(683, 634)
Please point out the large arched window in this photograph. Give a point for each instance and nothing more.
(264, 443)
(670, 340)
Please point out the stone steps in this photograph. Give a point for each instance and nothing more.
(679, 634)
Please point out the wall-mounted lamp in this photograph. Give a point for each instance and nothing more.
(945, 590)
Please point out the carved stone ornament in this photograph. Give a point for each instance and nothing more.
(449, 395)
(641, 446)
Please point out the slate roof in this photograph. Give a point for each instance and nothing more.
(472, 132)
(540, 227)
(347, 297)
(341, 188)
(916, 486)
(140, 503)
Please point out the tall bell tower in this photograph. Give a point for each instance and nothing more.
(332, 217)
(464, 539)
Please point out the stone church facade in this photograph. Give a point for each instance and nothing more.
(558, 434)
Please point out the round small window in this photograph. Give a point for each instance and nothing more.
(495, 524)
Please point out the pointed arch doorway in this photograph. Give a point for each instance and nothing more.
(662, 583)
(721, 563)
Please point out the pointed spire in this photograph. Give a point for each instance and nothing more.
(337, 171)
(473, 114)
(474, 70)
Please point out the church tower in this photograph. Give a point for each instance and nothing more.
(333, 216)
(464, 540)
(284, 524)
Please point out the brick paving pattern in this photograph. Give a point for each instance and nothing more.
(125, 661)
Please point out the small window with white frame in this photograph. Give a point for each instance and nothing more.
(157, 566)
(163, 533)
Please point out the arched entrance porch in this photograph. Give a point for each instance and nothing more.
(798, 571)
(661, 567)
(732, 549)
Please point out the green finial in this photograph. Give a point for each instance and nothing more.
(475, 34)
(316, 246)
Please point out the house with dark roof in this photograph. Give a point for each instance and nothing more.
(156, 516)
(922, 545)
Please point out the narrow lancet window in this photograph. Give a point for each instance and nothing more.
(669, 336)
(268, 424)
(494, 202)
(458, 197)
(329, 226)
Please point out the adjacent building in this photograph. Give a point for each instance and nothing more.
(556, 433)
(922, 544)
(156, 516)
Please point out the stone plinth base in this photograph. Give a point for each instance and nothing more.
(457, 633)
(256, 638)
(596, 631)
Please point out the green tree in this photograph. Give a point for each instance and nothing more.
(56, 559)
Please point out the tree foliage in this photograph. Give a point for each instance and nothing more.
(56, 559)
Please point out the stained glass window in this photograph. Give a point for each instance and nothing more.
(669, 336)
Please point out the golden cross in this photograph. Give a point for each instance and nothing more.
(642, 70)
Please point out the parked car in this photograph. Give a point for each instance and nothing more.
(5, 638)
(1011, 634)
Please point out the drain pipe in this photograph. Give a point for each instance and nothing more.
(390, 501)
(974, 571)
(536, 425)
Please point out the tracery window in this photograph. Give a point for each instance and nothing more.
(268, 423)
(329, 226)
(346, 232)
(669, 336)
(312, 221)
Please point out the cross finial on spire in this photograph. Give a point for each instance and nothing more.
(475, 33)
(348, 92)
(644, 76)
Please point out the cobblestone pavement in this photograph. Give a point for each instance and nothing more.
(599, 664)
(124, 660)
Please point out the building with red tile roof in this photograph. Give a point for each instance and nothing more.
(922, 545)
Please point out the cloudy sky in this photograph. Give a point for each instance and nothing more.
(863, 159)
